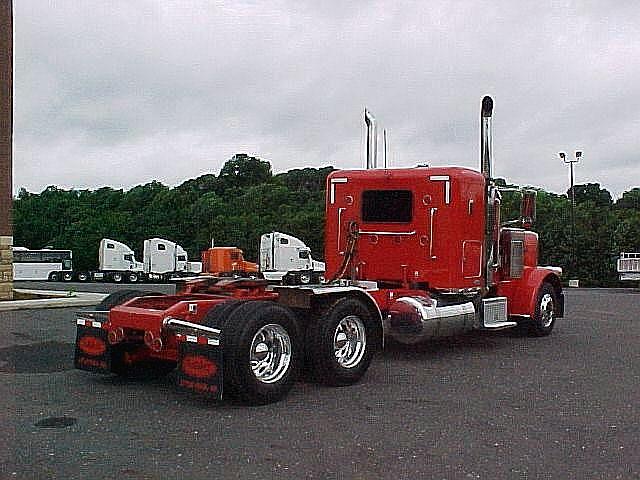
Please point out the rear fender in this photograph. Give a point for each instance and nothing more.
(308, 297)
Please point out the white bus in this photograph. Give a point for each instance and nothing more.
(45, 264)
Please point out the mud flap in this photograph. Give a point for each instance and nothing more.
(92, 349)
(200, 366)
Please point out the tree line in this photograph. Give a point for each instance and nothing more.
(246, 200)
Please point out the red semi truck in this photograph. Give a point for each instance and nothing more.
(412, 254)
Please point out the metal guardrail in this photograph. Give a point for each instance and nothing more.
(629, 266)
(629, 263)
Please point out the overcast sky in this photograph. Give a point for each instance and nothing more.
(124, 92)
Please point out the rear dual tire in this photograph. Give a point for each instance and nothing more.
(121, 296)
(341, 342)
(262, 349)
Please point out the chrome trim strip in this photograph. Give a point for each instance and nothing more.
(340, 210)
(363, 232)
(174, 322)
(432, 215)
(447, 186)
(332, 192)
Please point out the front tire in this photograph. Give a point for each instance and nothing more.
(544, 318)
(262, 352)
(341, 342)
(83, 276)
(132, 278)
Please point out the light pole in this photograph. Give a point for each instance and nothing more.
(6, 135)
(571, 161)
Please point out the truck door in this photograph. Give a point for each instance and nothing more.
(471, 258)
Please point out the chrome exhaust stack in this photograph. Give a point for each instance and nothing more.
(492, 208)
(372, 140)
(486, 139)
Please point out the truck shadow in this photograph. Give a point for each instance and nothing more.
(454, 345)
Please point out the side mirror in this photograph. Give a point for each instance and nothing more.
(528, 208)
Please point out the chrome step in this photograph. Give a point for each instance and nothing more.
(494, 314)
(500, 325)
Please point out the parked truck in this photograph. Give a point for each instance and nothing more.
(286, 259)
(412, 253)
(163, 260)
(227, 262)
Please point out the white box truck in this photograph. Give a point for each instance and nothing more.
(164, 259)
(286, 259)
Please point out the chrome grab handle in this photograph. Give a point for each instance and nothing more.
(432, 215)
(340, 210)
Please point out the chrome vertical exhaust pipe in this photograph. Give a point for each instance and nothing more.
(486, 139)
(490, 253)
(372, 140)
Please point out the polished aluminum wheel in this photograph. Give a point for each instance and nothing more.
(270, 354)
(546, 310)
(349, 341)
(305, 278)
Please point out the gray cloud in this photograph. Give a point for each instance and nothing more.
(120, 93)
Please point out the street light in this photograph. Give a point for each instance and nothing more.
(570, 161)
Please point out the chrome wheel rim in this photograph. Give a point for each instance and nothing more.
(305, 278)
(270, 354)
(349, 341)
(546, 310)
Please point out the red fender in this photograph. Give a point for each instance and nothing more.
(522, 292)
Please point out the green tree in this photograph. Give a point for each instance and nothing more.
(242, 171)
(630, 199)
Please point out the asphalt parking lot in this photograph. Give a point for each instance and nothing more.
(487, 406)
